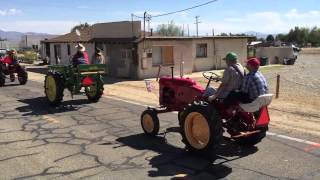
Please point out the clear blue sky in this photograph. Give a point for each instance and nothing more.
(58, 16)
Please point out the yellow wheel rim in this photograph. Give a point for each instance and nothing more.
(147, 123)
(197, 130)
(51, 88)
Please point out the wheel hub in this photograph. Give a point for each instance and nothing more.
(147, 123)
(197, 130)
(51, 90)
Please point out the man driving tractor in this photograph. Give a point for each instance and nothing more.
(81, 56)
(232, 77)
(10, 59)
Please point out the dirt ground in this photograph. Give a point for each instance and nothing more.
(296, 109)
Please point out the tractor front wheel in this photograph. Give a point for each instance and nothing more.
(95, 91)
(201, 128)
(150, 122)
(53, 88)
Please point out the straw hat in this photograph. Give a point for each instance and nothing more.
(80, 47)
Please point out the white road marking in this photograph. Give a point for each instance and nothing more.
(268, 133)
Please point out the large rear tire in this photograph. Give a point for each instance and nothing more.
(150, 122)
(95, 92)
(201, 128)
(53, 88)
(253, 139)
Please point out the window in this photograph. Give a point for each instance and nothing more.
(162, 55)
(68, 49)
(201, 50)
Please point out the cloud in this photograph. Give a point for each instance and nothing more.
(10, 12)
(294, 14)
(52, 27)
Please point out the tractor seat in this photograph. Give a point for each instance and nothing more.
(263, 100)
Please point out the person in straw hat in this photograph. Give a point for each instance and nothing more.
(81, 56)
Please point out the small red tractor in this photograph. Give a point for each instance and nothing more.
(202, 123)
(11, 70)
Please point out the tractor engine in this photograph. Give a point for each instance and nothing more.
(177, 93)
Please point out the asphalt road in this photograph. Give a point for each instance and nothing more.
(104, 140)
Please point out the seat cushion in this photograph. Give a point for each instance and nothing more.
(263, 100)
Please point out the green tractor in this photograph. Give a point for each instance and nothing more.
(74, 78)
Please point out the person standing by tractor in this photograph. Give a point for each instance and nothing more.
(98, 57)
(254, 85)
(81, 56)
(232, 77)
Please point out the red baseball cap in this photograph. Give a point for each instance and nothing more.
(254, 62)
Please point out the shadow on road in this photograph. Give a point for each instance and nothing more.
(40, 106)
(172, 160)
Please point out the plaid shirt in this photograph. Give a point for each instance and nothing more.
(254, 84)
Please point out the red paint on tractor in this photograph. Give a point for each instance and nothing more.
(87, 81)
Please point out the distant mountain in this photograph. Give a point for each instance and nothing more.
(14, 36)
(18, 39)
(258, 34)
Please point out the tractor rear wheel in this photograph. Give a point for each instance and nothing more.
(53, 88)
(201, 128)
(150, 122)
(95, 91)
(22, 76)
(252, 139)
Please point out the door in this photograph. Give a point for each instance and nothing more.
(124, 63)
(57, 53)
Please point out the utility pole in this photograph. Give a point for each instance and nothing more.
(188, 30)
(197, 24)
(144, 24)
(26, 40)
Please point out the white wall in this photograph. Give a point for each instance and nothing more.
(64, 52)
(203, 64)
(272, 52)
(181, 52)
(223, 46)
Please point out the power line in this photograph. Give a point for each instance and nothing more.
(165, 14)
(169, 13)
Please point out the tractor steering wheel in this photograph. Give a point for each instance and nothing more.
(211, 76)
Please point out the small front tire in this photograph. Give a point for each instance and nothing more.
(150, 122)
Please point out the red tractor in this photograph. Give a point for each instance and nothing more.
(10, 70)
(202, 123)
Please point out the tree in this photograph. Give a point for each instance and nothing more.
(169, 30)
(224, 34)
(282, 37)
(270, 38)
(80, 26)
